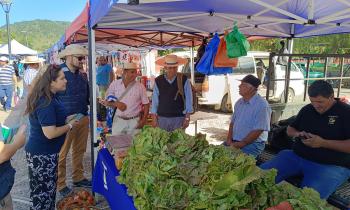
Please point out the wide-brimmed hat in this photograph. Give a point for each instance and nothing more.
(251, 79)
(32, 59)
(73, 49)
(4, 58)
(129, 66)
(171, 60)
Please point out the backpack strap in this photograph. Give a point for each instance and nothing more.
(180, 87)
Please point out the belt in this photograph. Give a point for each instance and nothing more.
(128, 118)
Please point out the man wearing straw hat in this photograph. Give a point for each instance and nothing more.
(129, 97)
(33, 64)
(170, 110)
(75, 100)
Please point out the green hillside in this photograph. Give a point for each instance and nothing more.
(41, 34)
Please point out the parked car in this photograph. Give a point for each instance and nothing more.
(312, 73)
(221, 91)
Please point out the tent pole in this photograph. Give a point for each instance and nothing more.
(93, 97)
(290, 41)
(192, 64)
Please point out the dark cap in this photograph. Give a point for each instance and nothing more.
(252, 80)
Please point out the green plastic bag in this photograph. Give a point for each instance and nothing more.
(236, 43)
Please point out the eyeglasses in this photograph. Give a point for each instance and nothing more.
(80, 58)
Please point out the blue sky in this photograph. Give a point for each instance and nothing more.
(25, 10)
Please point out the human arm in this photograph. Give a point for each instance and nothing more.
(145, 102)
(119, 105)
(52, 132)
(316, 141)
(155, 103)
(229, 135)
(8, 150)
(47, 119)
(261, 119)
(188, 97)
(250, 138)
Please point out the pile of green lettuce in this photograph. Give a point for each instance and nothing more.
(176, 171)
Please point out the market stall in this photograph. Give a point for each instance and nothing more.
(148, 24)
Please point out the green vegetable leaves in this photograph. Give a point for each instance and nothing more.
(176, 171)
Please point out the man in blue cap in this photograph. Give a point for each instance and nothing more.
(250, 121)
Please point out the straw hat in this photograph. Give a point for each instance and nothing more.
(73, 49)
(129, 66)
(171, 60)
(4, 59)
(32, 59)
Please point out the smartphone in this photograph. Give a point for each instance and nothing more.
(78, 116)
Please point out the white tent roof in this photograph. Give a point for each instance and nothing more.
(17, 49)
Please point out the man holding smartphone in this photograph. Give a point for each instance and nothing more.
(322, 152)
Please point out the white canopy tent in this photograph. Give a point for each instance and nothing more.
(17, 49)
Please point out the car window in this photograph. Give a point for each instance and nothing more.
(245, 66)
(294, 68)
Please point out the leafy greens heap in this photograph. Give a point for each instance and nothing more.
(177, 171)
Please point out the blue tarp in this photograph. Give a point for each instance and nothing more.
(271, 18)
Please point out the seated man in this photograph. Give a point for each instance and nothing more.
(250, 121)
(321, 151)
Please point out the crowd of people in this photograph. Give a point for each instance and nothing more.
(57, 105)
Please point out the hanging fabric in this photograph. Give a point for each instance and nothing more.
(206, 63)
(221, 58)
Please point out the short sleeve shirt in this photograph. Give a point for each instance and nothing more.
(44, 115)
(251, 115)
(134, 99)
(334, 124)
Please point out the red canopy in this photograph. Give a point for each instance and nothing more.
(77, 32)
(79, 23)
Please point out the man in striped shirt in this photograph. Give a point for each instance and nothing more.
(7, 80)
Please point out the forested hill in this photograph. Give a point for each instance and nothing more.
(41, 34)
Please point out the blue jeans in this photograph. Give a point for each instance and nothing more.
(6, 91)
(253, 149)
(325, 179)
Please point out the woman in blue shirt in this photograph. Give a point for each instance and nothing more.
(48, 129)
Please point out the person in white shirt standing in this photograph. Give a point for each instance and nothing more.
(33, 64)
(8, 80)
(131, 96)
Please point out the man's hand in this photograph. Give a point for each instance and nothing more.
(303, 134)
(186, 123)
(238, 145)
(141, 123)
(314, 141)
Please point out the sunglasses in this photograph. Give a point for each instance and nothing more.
(80, 58)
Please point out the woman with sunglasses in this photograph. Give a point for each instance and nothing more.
(48, 128)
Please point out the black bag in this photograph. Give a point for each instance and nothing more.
(278, 138)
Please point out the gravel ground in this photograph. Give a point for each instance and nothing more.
(213, 124)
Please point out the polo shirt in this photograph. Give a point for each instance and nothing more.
(102, 74)
(334, 124)
(6, 75)
(52, 114)
(251, 115)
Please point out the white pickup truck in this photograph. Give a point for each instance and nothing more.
(221, 91)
